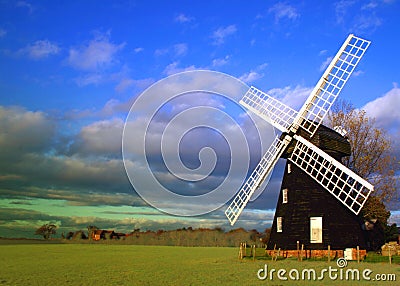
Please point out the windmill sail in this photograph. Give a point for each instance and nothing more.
(349, 188)
(256, 178)
(268, 108)
(331, 83)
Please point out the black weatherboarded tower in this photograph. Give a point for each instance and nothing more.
(307, 213)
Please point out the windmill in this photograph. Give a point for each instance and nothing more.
(295, 142)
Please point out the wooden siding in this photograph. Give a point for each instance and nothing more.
(326, 139)
(306, 198)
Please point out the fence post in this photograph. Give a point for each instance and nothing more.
(273, 253)
(329, 253)
(358, 254)
(279, 251)
(254, 252)
(301, 252)
(298, 250)
(390, 255)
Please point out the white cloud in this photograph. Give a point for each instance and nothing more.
(124, 84)
(366, 23)
(160, 52)
(177, 50)
(262, 67)
(385, 109)
(282, 10)
(180, 49)
(114, 106)
(138, 50)
(25, 4)
(325, 64)
(87, 165)
(182, 18)
(174, 68)
(101, 137)
(253, 75)
(2, 32)
(127, 83)
(394, 217)
(358, 73)
(341, 8)
(97, 60)
(293, 97)
(358, 18)
(24, 131)
(323, 52)
(370, 5)
(221, 33)
(385, 112)
(221, 61)
(250, 76)
(93, 78)
(194, 139)
(96, 54)
(121, 78)
(40, 49)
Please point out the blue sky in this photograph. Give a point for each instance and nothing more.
(70, 71)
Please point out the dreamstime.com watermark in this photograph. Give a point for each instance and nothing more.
(333, 273)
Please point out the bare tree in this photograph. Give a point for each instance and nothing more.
(91, 229)
(370, 156)
(46, 230)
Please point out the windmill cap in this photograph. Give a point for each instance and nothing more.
(340, 129)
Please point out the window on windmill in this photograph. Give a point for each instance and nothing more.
(315, 229)
(279, 224)
(289, 168)
(284, 196)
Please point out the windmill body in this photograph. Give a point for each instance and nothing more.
(301, 141)
(307, 213)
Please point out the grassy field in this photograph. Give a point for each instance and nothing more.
(102, 264)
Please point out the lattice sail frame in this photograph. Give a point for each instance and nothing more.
(345, 185)
(256, 178)
(268, 108)
(349, 188)
(331, 84)
(321, 98)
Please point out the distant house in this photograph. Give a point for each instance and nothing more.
(99, 234)
(120, 234)
(109, 234)
(79, 235)
(76, 235)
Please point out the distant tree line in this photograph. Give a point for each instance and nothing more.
(179, 237)
(197, 237)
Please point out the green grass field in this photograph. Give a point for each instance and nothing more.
(102, 264)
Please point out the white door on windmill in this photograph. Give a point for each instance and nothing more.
(316, 229)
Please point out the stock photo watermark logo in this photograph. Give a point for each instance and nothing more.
(187, 144)
(339, 273)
